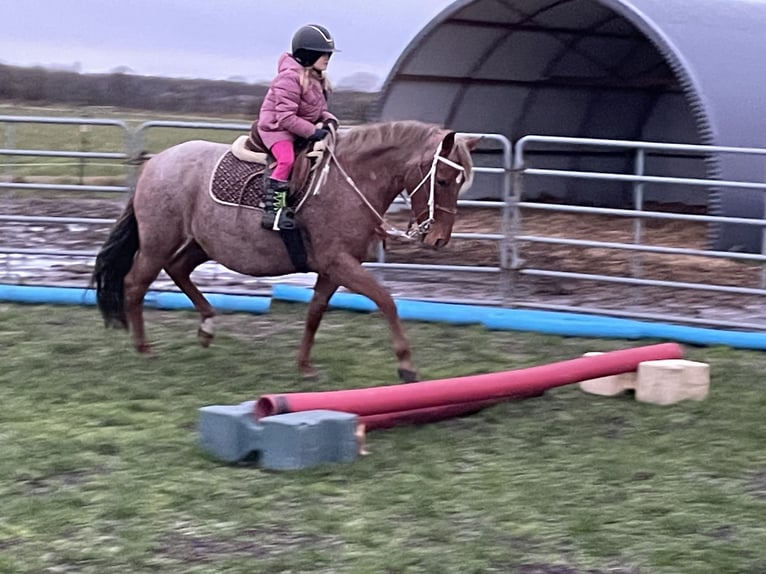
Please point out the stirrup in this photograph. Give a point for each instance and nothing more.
(284, 220)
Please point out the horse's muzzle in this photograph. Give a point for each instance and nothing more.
(432, 241)
(434, 233)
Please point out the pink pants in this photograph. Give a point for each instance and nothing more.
(285, 156)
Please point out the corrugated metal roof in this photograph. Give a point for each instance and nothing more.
(688, 71)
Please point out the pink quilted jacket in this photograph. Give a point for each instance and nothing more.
(288, 110)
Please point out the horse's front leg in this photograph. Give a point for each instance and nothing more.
(352, 275)
(323, 290)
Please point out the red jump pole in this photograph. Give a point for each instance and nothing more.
(470, 393)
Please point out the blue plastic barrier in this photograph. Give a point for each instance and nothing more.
(157, 299)
(496, 318)
(551, 322)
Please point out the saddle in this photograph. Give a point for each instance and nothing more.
(239, 179)
(240, 176)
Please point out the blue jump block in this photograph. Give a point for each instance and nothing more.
(281, 442)
(230, 432)
(301, 440)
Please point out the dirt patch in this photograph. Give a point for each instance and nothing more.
(561, 569)
(757, 485)
(43, 485)
(189, 547)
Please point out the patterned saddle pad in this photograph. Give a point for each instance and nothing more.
(237, 183)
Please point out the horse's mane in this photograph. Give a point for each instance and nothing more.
(406, 134)
(409, 135)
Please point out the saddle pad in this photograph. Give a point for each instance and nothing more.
(238, 183)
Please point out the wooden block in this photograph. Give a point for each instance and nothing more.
(672, 380)
(608, 386)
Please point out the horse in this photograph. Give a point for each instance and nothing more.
(171, 222)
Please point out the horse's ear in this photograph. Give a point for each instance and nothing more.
(471, 143)
(447, 143)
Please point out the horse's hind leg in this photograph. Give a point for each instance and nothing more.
(145, 270)
(185, 260)
(323, 290)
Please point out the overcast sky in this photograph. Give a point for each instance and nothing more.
(214, 39)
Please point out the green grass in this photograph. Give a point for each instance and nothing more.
(100, 469)
(74, 137)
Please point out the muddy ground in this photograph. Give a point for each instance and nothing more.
(494, 288)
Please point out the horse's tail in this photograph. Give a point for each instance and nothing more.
(113, 263)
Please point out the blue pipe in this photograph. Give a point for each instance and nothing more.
(551, 322)
(495, 318)
(157, 299)
(409, 309)
(415, 310)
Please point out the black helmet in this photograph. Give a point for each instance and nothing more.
(314, 38)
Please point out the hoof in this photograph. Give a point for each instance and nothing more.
(205, 338)
(311, 374)
(145, 349)
(407, 376)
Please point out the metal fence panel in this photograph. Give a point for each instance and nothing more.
(518, 264)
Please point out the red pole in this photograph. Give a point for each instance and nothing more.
(463, 391)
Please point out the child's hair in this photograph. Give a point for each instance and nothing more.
(305, 72)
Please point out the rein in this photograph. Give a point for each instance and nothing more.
(422, 228)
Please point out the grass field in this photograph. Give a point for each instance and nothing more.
(85, 138)
(100, 471)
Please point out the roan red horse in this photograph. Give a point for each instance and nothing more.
(172, 223)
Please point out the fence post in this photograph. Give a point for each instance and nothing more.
(134, 143)
(513, 192)
(639, 167)
(84, 129)
(10, 143)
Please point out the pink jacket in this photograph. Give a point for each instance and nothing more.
(288, 110)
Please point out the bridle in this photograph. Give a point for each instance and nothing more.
(422, 228)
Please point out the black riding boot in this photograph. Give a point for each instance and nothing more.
(276, 214)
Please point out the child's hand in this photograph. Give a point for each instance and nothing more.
(319, 134)
(330, 125)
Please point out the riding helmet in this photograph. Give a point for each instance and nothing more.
(310, 42)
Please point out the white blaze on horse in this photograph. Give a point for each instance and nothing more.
(171, 222)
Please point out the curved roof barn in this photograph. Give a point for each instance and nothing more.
(680, 71)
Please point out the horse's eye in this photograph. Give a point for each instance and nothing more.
(442, 182)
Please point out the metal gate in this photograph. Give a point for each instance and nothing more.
(636, 291)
